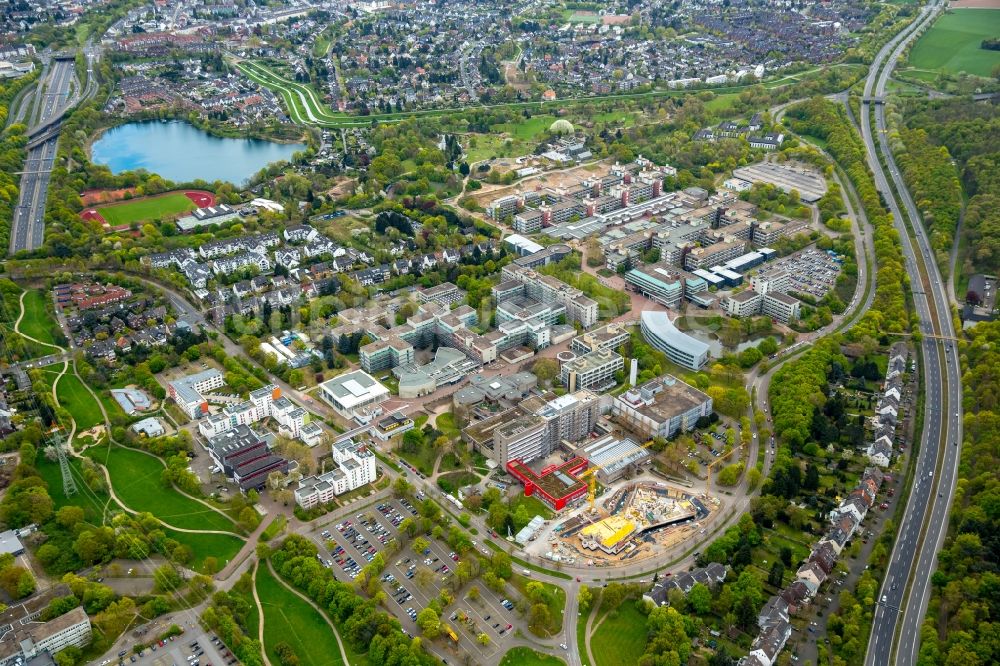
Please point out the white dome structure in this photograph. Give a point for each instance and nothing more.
(561, 126)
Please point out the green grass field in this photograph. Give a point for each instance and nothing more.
(146, 209)
(220, 546)
(75, 397)
(223, 548)
(621, 639)
(952, 43)
(557, 602)
(525, 656)
(289, 619)
(37, 321)
(136, 478)
(528, 129)
(92, 505)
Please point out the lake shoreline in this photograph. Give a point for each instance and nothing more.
(179, 151)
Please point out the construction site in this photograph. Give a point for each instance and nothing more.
(637, 520)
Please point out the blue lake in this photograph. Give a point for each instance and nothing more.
(181, 152)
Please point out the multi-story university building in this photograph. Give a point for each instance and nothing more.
(546, 289)
(594, 370)
(535, 427)
(661, 408)
(26, 637)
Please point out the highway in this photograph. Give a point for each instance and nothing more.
(28, 230)
(905, 590)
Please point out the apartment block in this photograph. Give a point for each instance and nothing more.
(781, 307)
(26, 638)
(385, 354)
(355, 468)
(187, 391)
(716, 253)
(445, 293)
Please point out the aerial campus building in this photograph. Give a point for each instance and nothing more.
(661, 408)
(535, 427)
(682, 349)
(26, 639)
(355, 395)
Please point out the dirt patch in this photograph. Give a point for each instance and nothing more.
(94, 197)
(552, 179)
(343, 188)
(95, 433)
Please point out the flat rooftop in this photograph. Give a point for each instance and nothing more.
(810, 185)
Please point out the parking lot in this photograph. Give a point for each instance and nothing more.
(811, 271)
(193, 648)
(355, 541)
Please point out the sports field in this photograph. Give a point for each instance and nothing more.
(144, 210)
(952, 43)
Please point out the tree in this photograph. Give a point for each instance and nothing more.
(545, 369)
(483, 639)
(69, 656)
(286, 654)
(429, 623)
(249, 518)
(777, 573)
(69, 516)
(424, 576)
(116, 617)
(585, 598)
(667, 638)
(539, 619)
(402, 488)
(700, 599)
(166, 579)
(210, 565)
(17, 582)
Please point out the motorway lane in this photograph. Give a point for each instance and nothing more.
(913, 555)
(28, 228)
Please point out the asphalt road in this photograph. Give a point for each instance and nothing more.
(906, 588)
(28, 230)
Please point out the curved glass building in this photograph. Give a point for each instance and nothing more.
(682, 349)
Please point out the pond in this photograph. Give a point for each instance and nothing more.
(181, 152)
(706, 334)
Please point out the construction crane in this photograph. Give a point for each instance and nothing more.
(590, 476)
